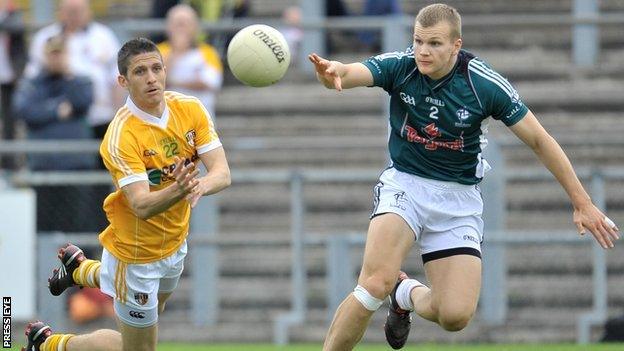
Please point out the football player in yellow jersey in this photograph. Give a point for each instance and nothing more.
(151, 150)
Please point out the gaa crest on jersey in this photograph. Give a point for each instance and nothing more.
(190, 137)
(141, 298)
(462, 115)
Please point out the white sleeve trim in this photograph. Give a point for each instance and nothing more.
(202, 149)
(132, 179)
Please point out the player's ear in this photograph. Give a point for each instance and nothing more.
(457, 46)
(121, 79)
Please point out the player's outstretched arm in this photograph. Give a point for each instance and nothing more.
(337, 75)
(586, 215)
(146, 203)
(217, 178)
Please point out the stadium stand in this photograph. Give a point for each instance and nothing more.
(549, 286)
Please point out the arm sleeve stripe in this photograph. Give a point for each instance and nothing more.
(503, 88)
(132, 179)
(496, 75)
(492, 76)
(202, 149)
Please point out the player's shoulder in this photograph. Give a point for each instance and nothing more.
(178, 102)
(400, 63)
(122, 119)
(484, 78)
(481, 72)
(405, 56)
(176, 98)
(118, 130)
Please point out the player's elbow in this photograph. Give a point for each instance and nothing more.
(143, 214)
(541, 143)
(227, 179)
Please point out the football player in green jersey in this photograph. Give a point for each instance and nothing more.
(442, 98)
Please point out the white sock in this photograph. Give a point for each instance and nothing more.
(403, 293)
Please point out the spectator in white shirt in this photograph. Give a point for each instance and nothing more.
(193, 67)
(92, 49)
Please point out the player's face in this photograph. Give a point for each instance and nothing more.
(434, 50)
(145, 82)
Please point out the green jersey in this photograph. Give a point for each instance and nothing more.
(438, 127)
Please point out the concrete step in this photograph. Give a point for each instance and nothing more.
(354, 196)
(290, 99)
(348, 221)
(301, 124)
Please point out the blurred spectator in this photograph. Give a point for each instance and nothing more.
(193, 67)
(54, 105)
(213, 10)
(335, 38)
(88, 304)
(11, 65)
(335, 8)
(92, 49)
(159, 10)
(292, 31)
(371, 39)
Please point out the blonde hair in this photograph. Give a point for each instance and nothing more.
(433, 14)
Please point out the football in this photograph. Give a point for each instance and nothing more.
(258, 55)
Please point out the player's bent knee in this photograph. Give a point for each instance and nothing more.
(379, 286)
(454, 321)
(367, 300)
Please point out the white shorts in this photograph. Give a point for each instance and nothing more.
(444, 216)
(135, 287)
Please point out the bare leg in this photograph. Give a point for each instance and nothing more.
(99, 340)
(138, 339)
(452, 300)
(162, 300)
(111, 340)
(388, 242)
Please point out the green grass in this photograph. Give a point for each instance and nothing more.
(425, 347)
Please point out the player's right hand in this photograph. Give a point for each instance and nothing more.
(326, 71)
(185, 175)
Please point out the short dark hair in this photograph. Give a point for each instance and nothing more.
(132, 48)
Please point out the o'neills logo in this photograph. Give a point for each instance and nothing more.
(272, 44)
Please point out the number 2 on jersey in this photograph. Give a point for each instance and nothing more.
(434, 112)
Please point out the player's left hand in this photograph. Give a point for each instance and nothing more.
(197, 193)
(589, 217)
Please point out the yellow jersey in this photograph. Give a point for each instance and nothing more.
(141, 147)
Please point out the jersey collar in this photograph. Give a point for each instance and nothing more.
(148, 118)
(438, 83)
